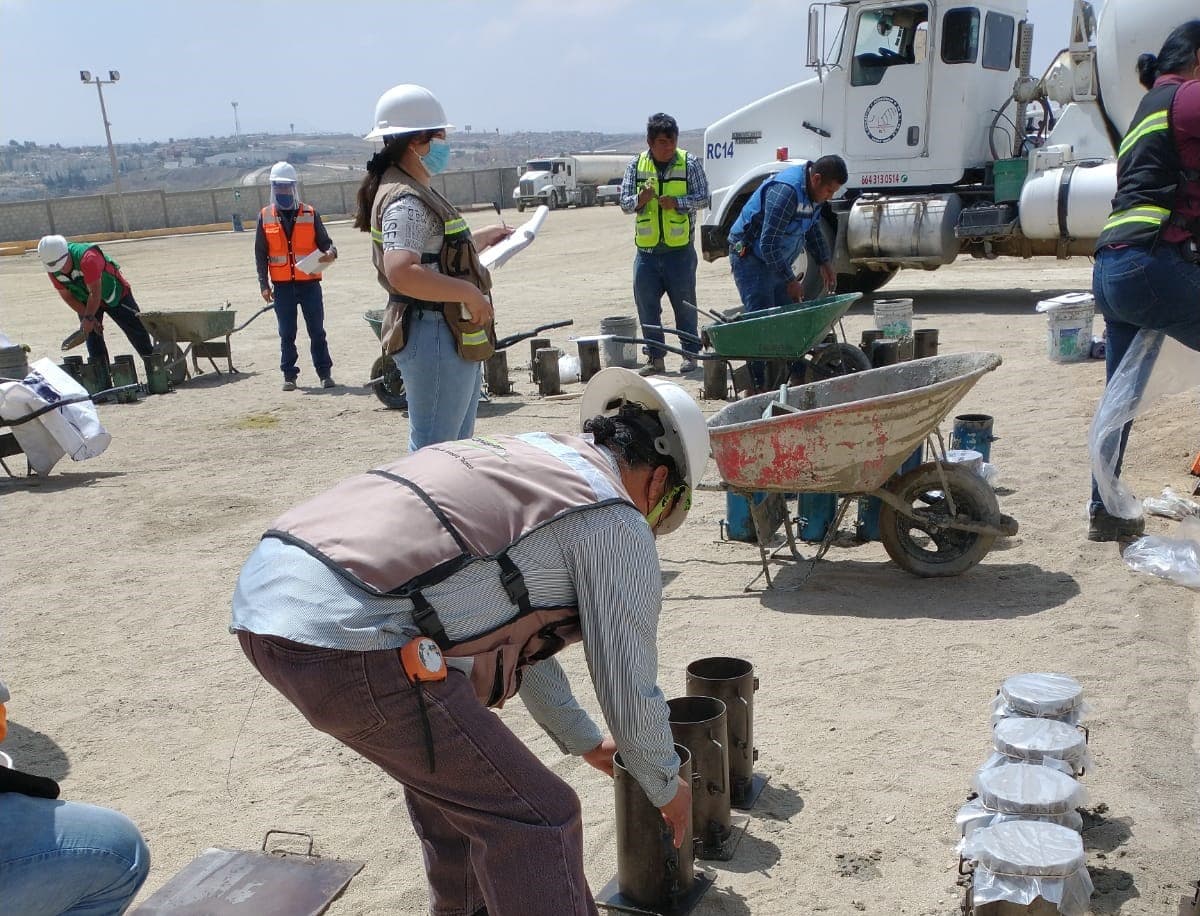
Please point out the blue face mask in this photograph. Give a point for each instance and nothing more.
(438, 157)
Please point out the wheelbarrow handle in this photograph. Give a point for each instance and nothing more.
(682, 335)
(664, 346)
(716, 316)
(265, 308)
(505, 342)
(67, 402)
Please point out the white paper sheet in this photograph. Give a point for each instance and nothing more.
(497, 256)
(310, 263)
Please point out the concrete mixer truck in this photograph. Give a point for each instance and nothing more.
(559, 181)
(928, 102)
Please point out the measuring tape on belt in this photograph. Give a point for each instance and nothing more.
(423, 663)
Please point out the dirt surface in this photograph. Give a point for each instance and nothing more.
(873, 712)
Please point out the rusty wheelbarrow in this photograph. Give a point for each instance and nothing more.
(849, 436)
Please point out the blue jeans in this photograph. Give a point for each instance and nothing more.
(61, 857)
(305, 294)
(759, 288)
(1136, 288)
(673, 273)
(442, 387)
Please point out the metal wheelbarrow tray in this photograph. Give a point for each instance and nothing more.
(786, 332)
(849, 435)
(199, 330)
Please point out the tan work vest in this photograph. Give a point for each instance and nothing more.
(457, 258)
(400, 528)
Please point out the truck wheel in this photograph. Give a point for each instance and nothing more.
(520, 206)
(926, 549)
(552, 201)
(865, 280)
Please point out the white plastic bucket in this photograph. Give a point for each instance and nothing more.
(894, 317)
(1069, 333)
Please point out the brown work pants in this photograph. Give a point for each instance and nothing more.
(501, 834)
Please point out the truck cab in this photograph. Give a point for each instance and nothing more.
(906, 92)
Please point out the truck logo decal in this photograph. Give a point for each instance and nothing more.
(882, 119)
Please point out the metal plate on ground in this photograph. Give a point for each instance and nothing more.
(737, 829)
(231, 882)
(757, 784)
(611, 898)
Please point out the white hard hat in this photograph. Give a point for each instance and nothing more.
(283, 171)
(52, 249)
(406, 108)
(686, 439)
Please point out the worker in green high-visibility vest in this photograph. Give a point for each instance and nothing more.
(91, 283)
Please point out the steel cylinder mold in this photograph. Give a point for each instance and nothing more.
(732, 681)
(699, 724)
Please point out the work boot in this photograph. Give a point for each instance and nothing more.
(688, 365)
(654, 366)
(289, 384)
(1105, 527)
(328, 382)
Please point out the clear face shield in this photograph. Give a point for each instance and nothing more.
(283, 195)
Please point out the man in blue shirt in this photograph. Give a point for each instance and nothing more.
(780, 221)
(664, 187)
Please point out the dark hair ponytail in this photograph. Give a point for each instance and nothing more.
(1178, 54)
(394, 148)
(630, 435)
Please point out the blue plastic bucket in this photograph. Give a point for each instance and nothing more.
(739, 525)
(816, 511)
(973, 431)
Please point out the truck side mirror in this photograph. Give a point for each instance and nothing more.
(814, 30)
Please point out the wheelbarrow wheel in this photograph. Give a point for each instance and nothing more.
(391, 389)
(836, 359)
(172, 355)
(926, 549)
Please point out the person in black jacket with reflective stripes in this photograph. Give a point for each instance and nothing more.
(1147, 271)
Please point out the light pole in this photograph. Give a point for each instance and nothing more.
(237, 128)
(85, 76)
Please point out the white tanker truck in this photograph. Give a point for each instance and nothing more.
(559, 181)
(927, 101)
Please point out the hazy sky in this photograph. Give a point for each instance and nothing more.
(600, 65)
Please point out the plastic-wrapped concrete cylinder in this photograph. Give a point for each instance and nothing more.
(1027, 867)
(1022, 791)
(1047, 741)
(1040, 696)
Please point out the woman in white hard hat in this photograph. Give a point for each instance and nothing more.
(498, 552)
(439, 321)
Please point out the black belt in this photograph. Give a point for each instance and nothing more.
(417, 304)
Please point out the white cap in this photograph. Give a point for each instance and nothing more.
(686, 439)
(406, 108)
(52, 249)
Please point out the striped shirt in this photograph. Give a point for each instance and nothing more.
(601, 560)
(781, 204)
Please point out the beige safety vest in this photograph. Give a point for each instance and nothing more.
(400, 528)
(457, 258)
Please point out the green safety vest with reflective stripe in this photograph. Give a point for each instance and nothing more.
(654, 225)
(1149, 174)
(112, 284)
(457, 258)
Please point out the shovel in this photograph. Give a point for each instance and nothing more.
(74, 339)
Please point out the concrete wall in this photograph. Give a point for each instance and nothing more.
(73, 216)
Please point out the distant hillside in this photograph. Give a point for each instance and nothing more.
(28, 171)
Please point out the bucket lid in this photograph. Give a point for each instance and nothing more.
(964, 456)
(1028, 788)
(1035, 739)
(1042, 694)
(1033, 848)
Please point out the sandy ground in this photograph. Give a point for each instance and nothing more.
(873, 710)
